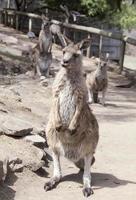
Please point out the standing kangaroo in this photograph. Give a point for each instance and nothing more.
(45, 36)
(97, 81)
(72, 129)
(41, 53)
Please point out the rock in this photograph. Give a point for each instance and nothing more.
(36, 166)
(9, 164)
(38, 131)
(30, 74)
(15, 164)
(34, 139)
(16, 168)
(31, 34)
(20, 154)
(42, 78)
(8, 39)
(44, 82)
(16, 127)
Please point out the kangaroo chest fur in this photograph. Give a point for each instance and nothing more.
(100, 80)
(67, 102)
(46, 40)
(66, 87)
(44, 62)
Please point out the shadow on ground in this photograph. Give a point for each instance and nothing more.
(6, 192)
(99, 180)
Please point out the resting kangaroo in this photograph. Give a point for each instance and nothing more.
(97, 81)
(72, 129)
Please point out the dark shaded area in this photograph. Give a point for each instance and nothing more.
(6, 192)
(42, 172)
(99, 180)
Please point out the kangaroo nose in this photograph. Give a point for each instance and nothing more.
(65, 61)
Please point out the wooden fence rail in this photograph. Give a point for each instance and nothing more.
(90, 30)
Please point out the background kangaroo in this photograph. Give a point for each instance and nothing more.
(45, 36)
(41, 55)
(56, 31)
(72, 129)
(97, 81)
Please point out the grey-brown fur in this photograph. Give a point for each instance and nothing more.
(41, 55)
(45, 36)
(72, 129)
(97, 81)
(41, 61)
(56, 31)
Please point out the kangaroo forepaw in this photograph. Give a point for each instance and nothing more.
(72, 131)
(58, 128)
(87, 191)
(51, 184)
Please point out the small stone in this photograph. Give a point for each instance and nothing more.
(16, 167)
(34, 139)
(31, 34)
(44, 83)
(38, 131)
(30, 74)
(42, 78)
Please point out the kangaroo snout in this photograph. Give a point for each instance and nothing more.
(64, 63)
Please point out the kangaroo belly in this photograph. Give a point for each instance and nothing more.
(101, 83)
(72, 153)
(44, 63)
(67, 105)
(46, 44)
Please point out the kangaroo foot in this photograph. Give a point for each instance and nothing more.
(51, 183)
(87, 191)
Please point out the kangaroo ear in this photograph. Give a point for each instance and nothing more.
(84, 44)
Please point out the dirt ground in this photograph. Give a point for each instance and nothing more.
(114, 172)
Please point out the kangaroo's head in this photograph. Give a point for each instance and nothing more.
(45, 23)
(72, 55)
(103, 63)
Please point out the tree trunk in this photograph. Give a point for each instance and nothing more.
(133, 2)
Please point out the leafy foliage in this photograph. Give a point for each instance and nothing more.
(95, 7)
(126, 18)
(118, 12)
(55, 4)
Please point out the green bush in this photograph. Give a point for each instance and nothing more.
(126, 19)
(95, 7)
